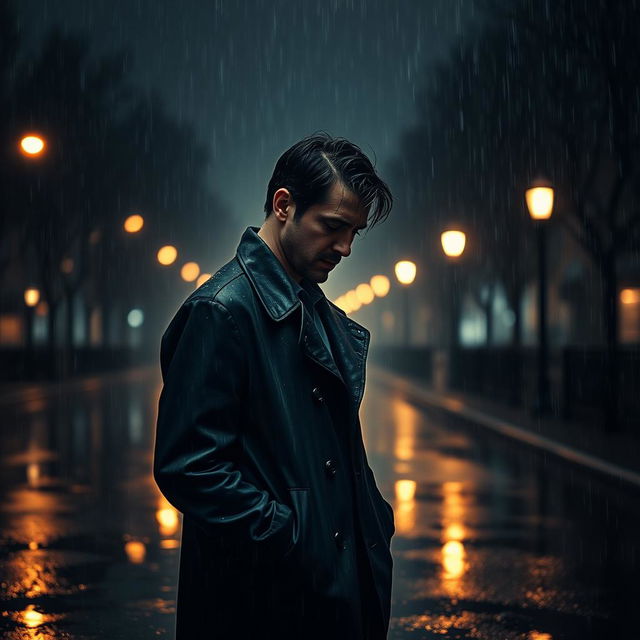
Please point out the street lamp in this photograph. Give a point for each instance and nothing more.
(31, 299)
(32, 145)
(405, 271)
(133, 223)
(539, 198)
(190, 271)
(167, 255)
(453, 244)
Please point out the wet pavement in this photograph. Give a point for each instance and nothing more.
(493, 540)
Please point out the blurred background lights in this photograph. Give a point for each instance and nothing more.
(405, 271)
(31, 297)
(133, 223)
(202, 278)
(135, 318)
(189, 271)
(380, 285)
(453, 242)
(365, 293)
(167, 255)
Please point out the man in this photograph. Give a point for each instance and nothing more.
(258, 442)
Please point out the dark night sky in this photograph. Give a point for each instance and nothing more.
(256, 76)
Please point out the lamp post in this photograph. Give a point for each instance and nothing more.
(453, 243)
(31, 299)
(405, 271)
(539, 198)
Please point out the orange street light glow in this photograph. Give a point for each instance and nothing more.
(133, 223)
(167, 255)
(202, 278)
(365, 293)
(539, 202)
(405, 271)
(380, 285)
(32, 145)
(31, 297)
(190, 271)
(453, 243)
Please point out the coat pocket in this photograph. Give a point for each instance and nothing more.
(309, 557)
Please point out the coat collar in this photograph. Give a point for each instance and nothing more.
(279, 294)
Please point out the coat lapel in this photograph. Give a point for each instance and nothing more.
(349, 340)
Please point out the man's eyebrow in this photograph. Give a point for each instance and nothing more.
(345, 222)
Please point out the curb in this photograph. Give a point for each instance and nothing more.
(459, 408)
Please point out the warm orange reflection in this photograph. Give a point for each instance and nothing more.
(136, 551)
(405, 418)
(453, 555)
(455, 531)
(169, 543)
(405, 509)
(539, 635)
(167, 517)
(168, 520)
(30, 617)
(405, 490)
(453, 559)
(33, 474)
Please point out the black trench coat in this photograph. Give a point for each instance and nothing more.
(259, 445)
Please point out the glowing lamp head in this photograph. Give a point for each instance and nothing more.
(167, 255)
(405, 271)
(380, 285)
(539, 198)
(133, 223)
(353, 300)
(365, 293)
(190, 271)
(202, 278)
(31, 297)
(32, 145)
(453, 242)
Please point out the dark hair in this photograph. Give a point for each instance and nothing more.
(311, 167)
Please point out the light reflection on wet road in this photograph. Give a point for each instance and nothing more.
(492, 541)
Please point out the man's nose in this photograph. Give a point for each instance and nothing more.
(343, 247)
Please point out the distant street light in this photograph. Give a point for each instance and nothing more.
(31, 297)
(352, 300)
(453, 243)
(539, 198)
(32, 145)
(167, 255)
(202, 278)
(380, 285)
(190, 271)
(405, 271)
(133, 223)
(365, 293)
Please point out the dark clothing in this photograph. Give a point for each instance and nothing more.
(258, 443)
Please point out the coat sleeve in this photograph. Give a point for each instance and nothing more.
(198, 432)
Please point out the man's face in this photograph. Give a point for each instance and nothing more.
(316, 242)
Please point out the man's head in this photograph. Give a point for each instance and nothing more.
(320, 196)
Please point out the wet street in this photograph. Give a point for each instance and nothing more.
(493, 540)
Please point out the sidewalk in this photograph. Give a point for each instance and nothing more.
(616, 456)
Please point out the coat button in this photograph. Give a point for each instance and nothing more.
(330, 467)
(341, 543)
(317, 394)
